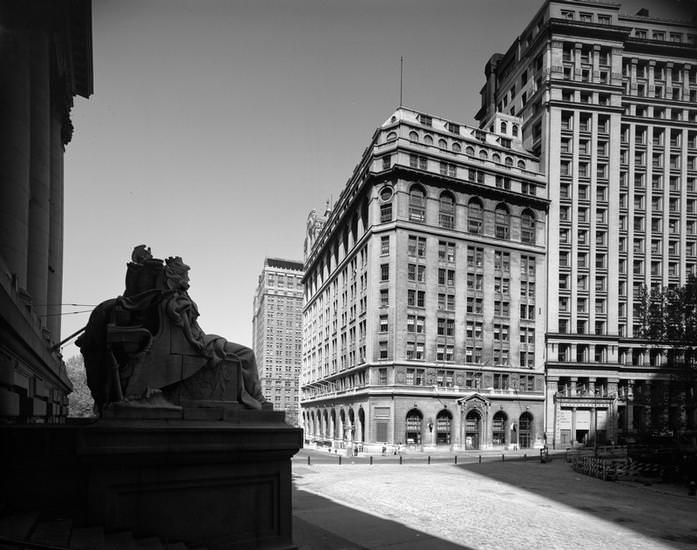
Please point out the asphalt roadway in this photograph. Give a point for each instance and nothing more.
(512, 504)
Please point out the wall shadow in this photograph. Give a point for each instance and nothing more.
(322, 524)
(664, 515)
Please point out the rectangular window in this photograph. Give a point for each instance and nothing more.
(384, 246)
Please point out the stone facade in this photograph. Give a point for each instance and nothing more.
(609, 102)
(424, 319)
(45, 60)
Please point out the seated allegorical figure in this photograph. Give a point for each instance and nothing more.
(146, 348)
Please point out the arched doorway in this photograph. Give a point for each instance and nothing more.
(414, 427)
(352, 424)
(361, 425)
(525, 430)
(444, 422)
(325, 425)
(332, 425)
(498, 429)
(473, 424)
(342, 425)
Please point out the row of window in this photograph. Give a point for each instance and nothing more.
(475, 215)
(474, 354)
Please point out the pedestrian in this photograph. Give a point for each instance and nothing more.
(384, 450)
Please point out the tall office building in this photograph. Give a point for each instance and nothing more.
(609, 104)
(277, 333)
(424, 292)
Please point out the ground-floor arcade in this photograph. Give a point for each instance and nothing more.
(474, 421)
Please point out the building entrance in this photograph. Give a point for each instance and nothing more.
(472, 428)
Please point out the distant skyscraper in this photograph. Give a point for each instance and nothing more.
(277, 333)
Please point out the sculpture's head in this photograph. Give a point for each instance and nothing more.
(176, 273)
(140, 254)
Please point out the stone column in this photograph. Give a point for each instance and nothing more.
(14, 153)
(39, 174)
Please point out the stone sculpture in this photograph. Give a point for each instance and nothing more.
(146, 349)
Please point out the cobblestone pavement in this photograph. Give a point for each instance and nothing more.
(511, 505)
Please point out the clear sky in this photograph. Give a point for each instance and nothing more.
(217, 125)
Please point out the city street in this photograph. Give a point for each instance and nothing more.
(493, 505)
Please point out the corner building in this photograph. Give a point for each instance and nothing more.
(425, 310)
(609, 103)
(276, 330)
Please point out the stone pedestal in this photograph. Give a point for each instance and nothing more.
(218, 484)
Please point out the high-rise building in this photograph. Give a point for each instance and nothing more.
(277, 333)
(420, 325)
(609, 103)
(424, 293)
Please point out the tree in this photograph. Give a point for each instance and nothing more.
(668, 318)
(80, 402)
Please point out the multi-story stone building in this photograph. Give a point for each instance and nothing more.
(45, 60)
(424, 312)
(609, 103)
(277, 333)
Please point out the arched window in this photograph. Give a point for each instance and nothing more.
(442, 144)
(475, 216)
(443, 427)
(472, 426)
(457, 147)
(413, 428)
(446, 216)
(527, 227)
(515, 130)
(509, 161)
(469, 150)
(525, 430)
(483, 154)
(504, 128)
(498, 435)
(428, 140)
(521, 164)
(496, 157)
(417, 204)
(391, 136)
(502, 222)
(413, 136)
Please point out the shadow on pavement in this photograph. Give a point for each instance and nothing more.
(668, 517)
(322, 524)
